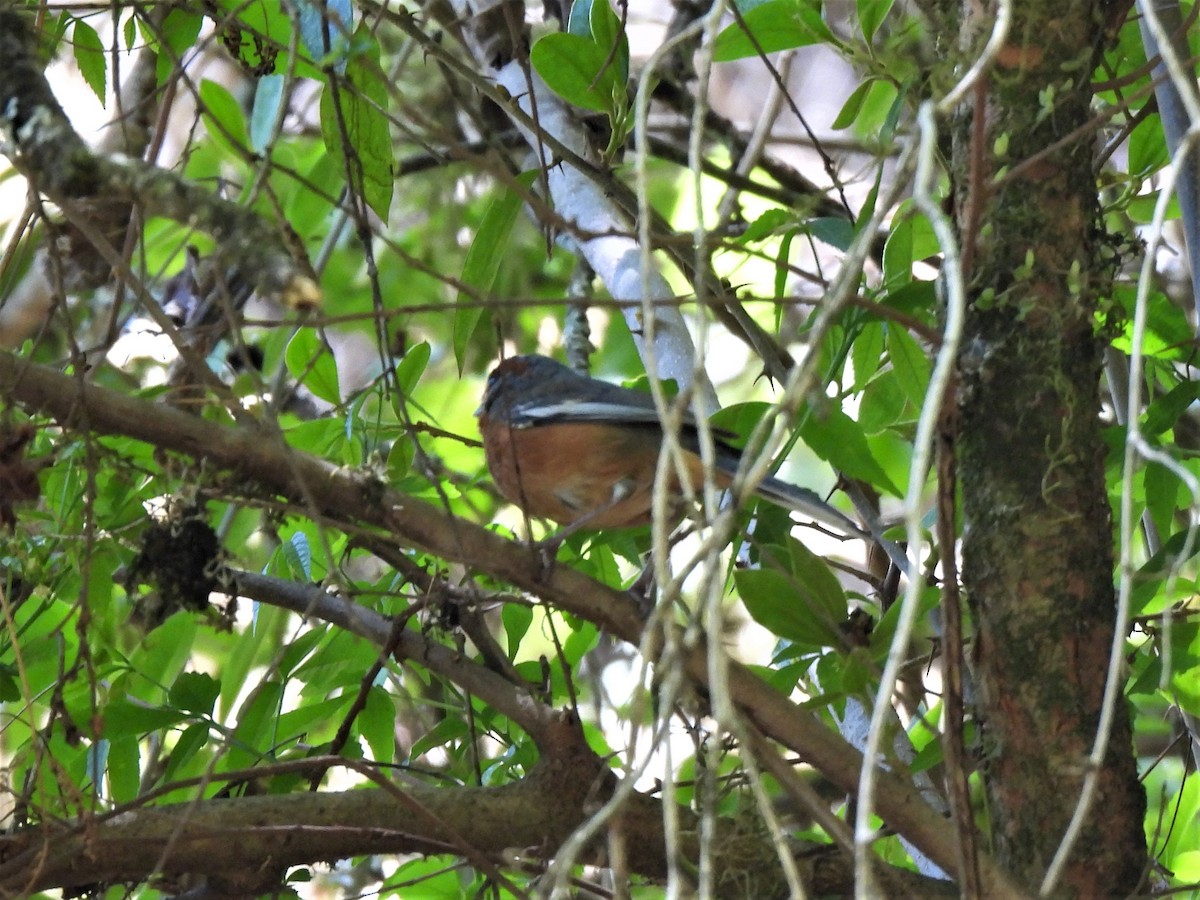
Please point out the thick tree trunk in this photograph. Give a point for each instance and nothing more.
(1038, 548)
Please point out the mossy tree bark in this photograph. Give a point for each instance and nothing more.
(1038, 565)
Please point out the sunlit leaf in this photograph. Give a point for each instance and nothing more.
(910, 363)
(853, 105)
(577, 69)
(195, 692)
(776, 25)
(871, 14)
(377, 724)
(488, 249)
(311, 362)
(774, 600)
(90, 57)
(224, 116)
(355, 127)
(840, 441)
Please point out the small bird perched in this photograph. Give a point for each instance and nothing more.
(584, 453)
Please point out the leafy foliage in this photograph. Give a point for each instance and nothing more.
(135, 666)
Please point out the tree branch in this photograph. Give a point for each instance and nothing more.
(344, 494)
(497, 692)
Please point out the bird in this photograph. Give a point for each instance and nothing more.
(583, 452)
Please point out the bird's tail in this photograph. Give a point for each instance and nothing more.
(806, 502)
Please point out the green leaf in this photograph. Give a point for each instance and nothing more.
(579, 70)
(195, 692)
(871, 14)
(411, 367)
(583, 639)
(910, 240)
(740, 418)
(190, 742)
(1185, 677)
(776, 25)
(10, 690)
(1165, 411)
(817, 581)
(878, 117)
(256, 727)
(1141, 208)
(840, 441)
(307, 210)
(338, 661)
(1185, 836)
(1148, 597)
(314, 721)
(224, 117)
(323, 437)
(248, 650)
(884, 631)
(925, 740)
(377, 724)
(898, 254)
(311, 362)
(1169, 332)
(773, 600)
(125, 718)
(783, 272)
(767, 224)
(449, 729)
(487, 250)
(853, 105)
(867, 353)
(1185, 868)
(606, 32)
(884, 404)
(163, 653)
(517, 617)
(89, 56)
(298, 650)
(124, 769)
(857, 674)
(1162, 488)
(400, 459)
(868, 207)
(354, 115)
(436, 878)
(178, 31)
(837, 233)
(298, 554)
(1147, 147)
(910, 363)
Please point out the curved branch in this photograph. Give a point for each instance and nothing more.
(246, 844)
